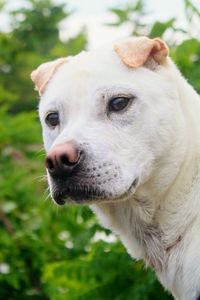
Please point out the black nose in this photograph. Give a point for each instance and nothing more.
(62, 160)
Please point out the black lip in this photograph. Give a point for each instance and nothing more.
(81, 194)
(85, 194)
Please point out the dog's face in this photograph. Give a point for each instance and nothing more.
(105, 125)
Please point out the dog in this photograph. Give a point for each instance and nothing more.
(121, 128)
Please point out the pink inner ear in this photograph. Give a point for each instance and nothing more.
(42, 75)
(160, 51)
(134, 52)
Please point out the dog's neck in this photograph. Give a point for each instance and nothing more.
(150, 223)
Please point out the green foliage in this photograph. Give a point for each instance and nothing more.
(107, 275)
(34, 39)
(38, 28)
(132, 14)
(159, 28)
(62, 253)
(187, 56)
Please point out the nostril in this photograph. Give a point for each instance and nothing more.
(65, 160)
(49, 164)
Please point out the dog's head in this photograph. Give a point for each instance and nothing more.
(107, 118)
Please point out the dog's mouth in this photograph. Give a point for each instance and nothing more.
(78, 194)
(86, 194)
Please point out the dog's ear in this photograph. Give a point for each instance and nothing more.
(44, 73)
(135, 51)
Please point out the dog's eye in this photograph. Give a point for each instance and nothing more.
(52, 119)
(118, 104)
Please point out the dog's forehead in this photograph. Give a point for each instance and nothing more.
(87, 71)
(94, 65)
(94, 62)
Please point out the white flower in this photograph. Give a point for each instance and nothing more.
(4, 268)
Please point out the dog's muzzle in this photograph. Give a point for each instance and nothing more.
(67, 167)
(75, 177)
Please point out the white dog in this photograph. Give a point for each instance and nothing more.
(121, 128)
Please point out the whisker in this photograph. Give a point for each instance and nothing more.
(41, 150)
(48, 194)
(41, 178)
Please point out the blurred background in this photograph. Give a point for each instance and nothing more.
(47, 252)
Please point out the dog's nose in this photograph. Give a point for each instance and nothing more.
(62, 159)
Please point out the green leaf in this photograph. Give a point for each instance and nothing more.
(159, 28)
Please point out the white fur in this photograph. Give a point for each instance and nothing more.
(157, 141)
